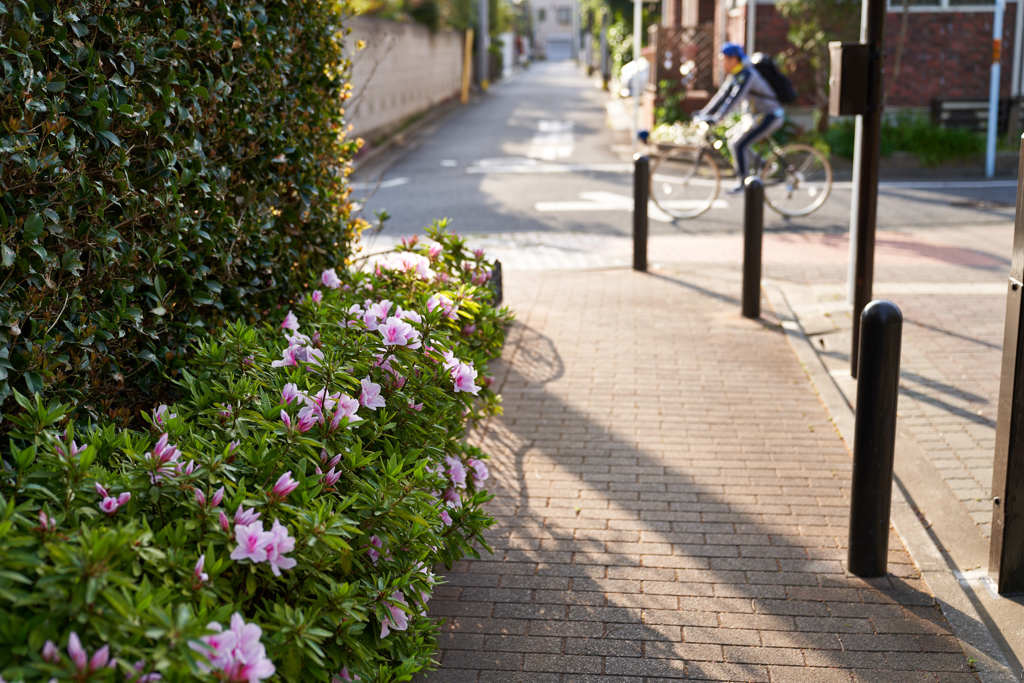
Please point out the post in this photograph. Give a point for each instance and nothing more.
(637, 47)
(484, 37)
(641, 193)
(606, 59)
(1006, 551)
(467, 66)
(496, 283)
(993, 88)
(874, 438)
(753, 231)
(863, 237)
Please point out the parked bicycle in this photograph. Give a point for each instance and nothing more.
(686, 177)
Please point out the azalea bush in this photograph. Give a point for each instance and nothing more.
(284, 518)
(165, 166)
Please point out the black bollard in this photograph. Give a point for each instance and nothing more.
(641, 193)
(496, 283)
(753, 232)
(874, 438)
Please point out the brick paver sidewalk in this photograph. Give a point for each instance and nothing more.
(672, 502)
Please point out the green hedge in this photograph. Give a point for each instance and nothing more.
(128, 545)
(164, 166)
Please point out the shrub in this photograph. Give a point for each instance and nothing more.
(164, 166)
(291, 506)
(932, 145)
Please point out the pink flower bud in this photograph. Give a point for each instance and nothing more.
(284, 485)
(123, 498)
(218, 496)
(225, 524)
(77, 652)
(100, 490)
(317, 296)
(198, 573)
(50, 653)
(200, 497)
(100, 658)
(286, 419)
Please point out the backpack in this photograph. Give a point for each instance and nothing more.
(778, 81)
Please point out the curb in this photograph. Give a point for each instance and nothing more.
(964, 596)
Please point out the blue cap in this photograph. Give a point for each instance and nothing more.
(733, 50)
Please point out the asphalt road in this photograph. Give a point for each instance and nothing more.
(535, 155)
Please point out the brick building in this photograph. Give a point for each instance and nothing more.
(947, 52)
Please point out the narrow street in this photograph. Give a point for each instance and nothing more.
(535, 154)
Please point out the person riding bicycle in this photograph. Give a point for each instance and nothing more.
(762, 115)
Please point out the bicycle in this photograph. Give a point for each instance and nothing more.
(687, 178)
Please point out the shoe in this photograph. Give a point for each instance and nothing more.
(735, 190)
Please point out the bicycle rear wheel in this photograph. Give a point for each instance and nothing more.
(685, 183)
(797, 181)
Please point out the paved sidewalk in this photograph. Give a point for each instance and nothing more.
(672, 500)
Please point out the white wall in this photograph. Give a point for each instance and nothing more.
(403, 70)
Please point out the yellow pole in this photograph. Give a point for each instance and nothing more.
(467, 65)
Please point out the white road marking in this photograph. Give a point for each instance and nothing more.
(610, 201)
(449, 163)
(554, 140)
(382, 185)
(522, 166)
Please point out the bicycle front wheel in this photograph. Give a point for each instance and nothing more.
(685, 183)
(797, 181)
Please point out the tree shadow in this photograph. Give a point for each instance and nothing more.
(705, 554)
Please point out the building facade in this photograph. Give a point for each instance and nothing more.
(553, 26)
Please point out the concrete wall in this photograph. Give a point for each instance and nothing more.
(403, 70)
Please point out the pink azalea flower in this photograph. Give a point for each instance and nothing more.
(480, 473)
(278, 542)
(464, 379)
(446, 518)
(397, 332)
(451, 496)
(290, 322)
(397, 620)
(479, 253)
(446, 305)
(237, 653)
(330, 279)
(110, 504)
(415, 406)
(284, 485)
(411, 316)
(161, 414)
(344, 676)
(100, 490)
(434, 251)
(456, 471)
(370, 396)
(225, 524)
(139, 667)
(162, 459)
(374, 551)
(346, 407)
(251, 543)
(198, 573)
(289, 393)
(317, 296)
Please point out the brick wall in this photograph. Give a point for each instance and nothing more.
(404, 70)
(947, 54)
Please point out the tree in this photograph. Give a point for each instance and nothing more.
(812, 24)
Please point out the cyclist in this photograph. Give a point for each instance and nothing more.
(762, 113)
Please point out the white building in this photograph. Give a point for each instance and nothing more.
(552, 26)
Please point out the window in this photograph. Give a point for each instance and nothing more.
(564, 16)
(542, 15)
(938, 5)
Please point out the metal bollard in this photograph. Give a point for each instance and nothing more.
(496, 283)
(753, 232)
(641, 194)
(874, 438)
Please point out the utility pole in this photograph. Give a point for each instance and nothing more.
(637, 25)
(484, 39)
(993, 88)
(866, 152)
